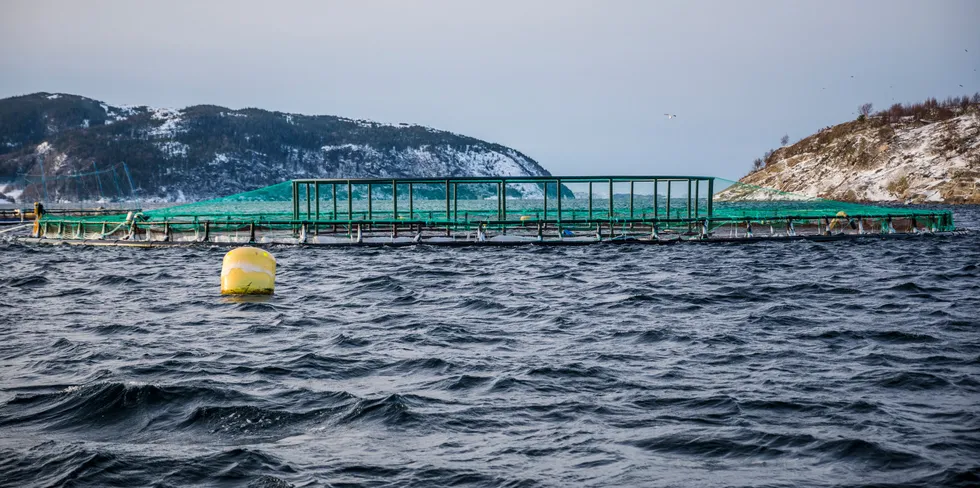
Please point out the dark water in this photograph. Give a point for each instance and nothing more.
(813, 364)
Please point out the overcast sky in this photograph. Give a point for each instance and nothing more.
(579, 86)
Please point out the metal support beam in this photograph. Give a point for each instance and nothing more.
(546, 185)
(656, 188)
(503, 198)
(295, 200)
(590, 200)
(611, 210)
(697, 197)
(689, 214)
(370, 214)
(394, 201)
(558, 181)
(631, 199)
(711, 197)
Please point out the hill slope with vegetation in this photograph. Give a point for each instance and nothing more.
(207, 151)
(924, 152)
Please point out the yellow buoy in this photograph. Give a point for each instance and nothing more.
(248, 271)
(525, 217)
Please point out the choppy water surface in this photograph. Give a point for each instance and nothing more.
(821, 364)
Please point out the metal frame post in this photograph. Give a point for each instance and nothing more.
(546, 185)
(697, 198)
(611, 210)
(394, 200)
(711, 196)
(631, 199)
(590, 201)
(656, 188)
(295, 192)
(503, 199)
(689, 199)
(558, 193)
(370, 213)
(316, 192)
(447, 200)
(411, 201)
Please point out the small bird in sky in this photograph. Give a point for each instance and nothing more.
(670, 116)
(961, 86)
(852, 76)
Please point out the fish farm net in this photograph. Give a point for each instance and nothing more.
(517, 209)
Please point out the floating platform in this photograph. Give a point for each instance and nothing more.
(581, 210)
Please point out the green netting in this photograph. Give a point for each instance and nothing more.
(740, 201)
(268, 203)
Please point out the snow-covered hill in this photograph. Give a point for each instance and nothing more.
(205, 151)
(882, 158)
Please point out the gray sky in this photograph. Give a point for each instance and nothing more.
(580, 86)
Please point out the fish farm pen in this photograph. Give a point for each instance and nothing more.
(497, 211)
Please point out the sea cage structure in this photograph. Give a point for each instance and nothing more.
(549, 210)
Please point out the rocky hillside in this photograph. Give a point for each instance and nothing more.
(926, 152)
(205, 151)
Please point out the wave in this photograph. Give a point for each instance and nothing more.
(111, 408)
(867, 453)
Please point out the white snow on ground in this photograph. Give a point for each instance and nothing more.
(349, 147)
(54, 96)
(370, 123)
(219, 158)
(11, 191)
(171, 125)
(173, 149)
(85, 123)
(54, 162)
(117, 114)
(918, 164)
(11, 144)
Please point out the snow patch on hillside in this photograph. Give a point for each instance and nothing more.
(173, 149)
(117, 114)
(171, 125)
(219, 158)
(10, 192)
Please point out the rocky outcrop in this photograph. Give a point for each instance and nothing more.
(886, 157)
